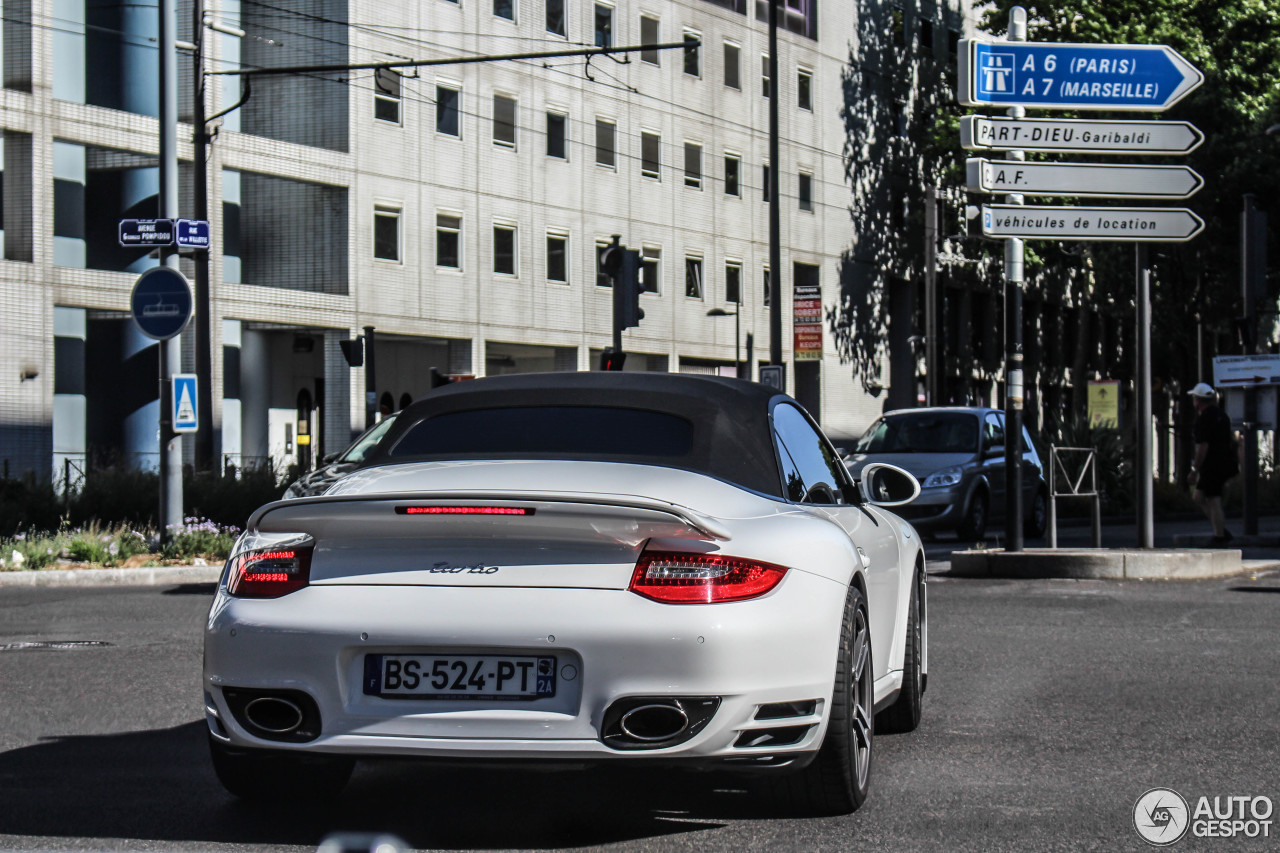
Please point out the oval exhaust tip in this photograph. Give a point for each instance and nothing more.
(273, 714)
(652, 723)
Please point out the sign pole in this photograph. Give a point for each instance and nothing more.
(1146, 528)
(1013, 276)
(170, 349)
(200, 196)
(1249, 293)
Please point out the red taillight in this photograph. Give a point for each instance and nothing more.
(270, 572)
(673, 577)
(464, 510)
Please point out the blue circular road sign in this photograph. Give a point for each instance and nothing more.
(161, 303)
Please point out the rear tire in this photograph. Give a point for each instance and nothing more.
(1038, 520)
(839, 778)
(273, 775)
(974, 526)
(904, 714)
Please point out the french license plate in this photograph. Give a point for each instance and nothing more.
(459, 676)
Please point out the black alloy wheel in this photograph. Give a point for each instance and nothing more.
(839, 778)
(904, 714)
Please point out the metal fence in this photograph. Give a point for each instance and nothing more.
(1085, 462)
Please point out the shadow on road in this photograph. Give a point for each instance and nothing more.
(159, 785)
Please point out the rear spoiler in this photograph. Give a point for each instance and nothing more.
(709, 527)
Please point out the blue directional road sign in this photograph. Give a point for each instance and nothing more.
(146, 232)
(193, 234)
(161, 303)
(1074, 76)
(184, 402)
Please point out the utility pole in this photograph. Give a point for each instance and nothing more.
(1145, 490)
(370, 380)
(1253, 270)
(1013, 277)
(775, 203)
(932, 369)
(203, 302)
(170, 350)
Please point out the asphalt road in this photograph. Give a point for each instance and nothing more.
(1052, 706)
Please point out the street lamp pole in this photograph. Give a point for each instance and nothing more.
(737, 336)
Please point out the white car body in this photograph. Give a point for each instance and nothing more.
(556, 583)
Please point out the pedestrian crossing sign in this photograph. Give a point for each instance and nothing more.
(184, 402)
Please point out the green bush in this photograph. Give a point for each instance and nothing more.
(228, 499)
(199, 537)
(118, 495)
(28, 506)
(87, 548)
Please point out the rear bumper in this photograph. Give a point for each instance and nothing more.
(776, 649)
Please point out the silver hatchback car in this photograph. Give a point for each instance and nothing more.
(957, 454)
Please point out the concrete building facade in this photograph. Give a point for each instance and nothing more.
(457, 209)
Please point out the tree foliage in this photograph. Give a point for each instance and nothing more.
(901, 122)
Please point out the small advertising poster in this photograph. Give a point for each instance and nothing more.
(1104, 404)
(807, 318)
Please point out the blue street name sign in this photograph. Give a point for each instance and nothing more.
(184, 402)
(146, 232)
(161, 303)
(1074, 76)
(193, 234)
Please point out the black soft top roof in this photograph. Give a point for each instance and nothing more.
(731, 437)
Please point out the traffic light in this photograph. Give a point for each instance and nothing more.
(611, 360)
(353, 351)
(626, 291)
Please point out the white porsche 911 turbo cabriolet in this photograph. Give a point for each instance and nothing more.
(573, 568)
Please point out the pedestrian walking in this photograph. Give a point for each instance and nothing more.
(1215, 461)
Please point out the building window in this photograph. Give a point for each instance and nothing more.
(767, 288)
(692, 62)
(558, 257)
(733, 282)
(650, 269)
(556, 136)
(732, 70)
(693, 165)
(804, 89)
(555, 17)
(386, 95)
(804, 191)
(448, 105)
(693, 278)
(504, 121)
(898, 27)
(604, 26)
(650, 155)
(649, 35)
(765, 87)
(606, 135)
(764, 183)
(448, 240)
(386, 233)
(926, 37)
(504, 9)
(953, 42)
(732, 164)
(602, 277)
(504, 249)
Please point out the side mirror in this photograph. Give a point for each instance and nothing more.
(327, 458)
(888, 485)
(993, 452)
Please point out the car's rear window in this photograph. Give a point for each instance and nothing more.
(571, 432)
(926, 432)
